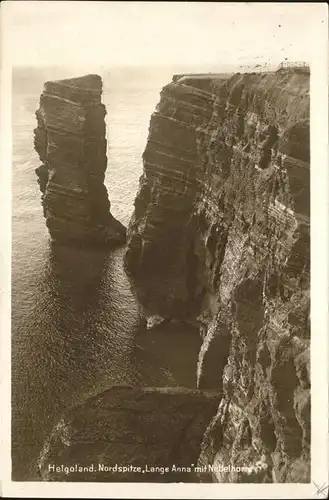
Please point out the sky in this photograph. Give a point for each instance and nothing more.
(157, 33)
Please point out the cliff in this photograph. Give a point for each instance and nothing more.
(70, 140)
(220, 238)
(137, 428)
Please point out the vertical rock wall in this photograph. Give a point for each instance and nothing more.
(129, 434)
(70, 140)
(220, 238)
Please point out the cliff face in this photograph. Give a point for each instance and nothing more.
(129, 427)
(70, 140)
(220, 238)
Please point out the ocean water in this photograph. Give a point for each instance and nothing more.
(75, 323)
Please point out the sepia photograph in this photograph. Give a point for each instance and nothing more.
(160, 323)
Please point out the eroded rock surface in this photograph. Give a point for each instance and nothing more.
(129, 426)
(220, 238)
(70, 140)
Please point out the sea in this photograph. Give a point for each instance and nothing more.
(76, 329)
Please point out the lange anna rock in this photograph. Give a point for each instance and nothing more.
(70, 140)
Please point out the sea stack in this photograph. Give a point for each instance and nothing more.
(70, 140)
